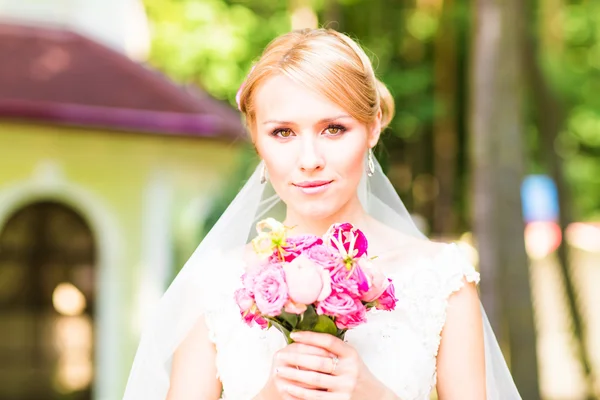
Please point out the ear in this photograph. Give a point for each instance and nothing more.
(375, 130)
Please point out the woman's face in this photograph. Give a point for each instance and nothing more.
(313, 149)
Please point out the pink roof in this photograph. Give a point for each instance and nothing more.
(61, 77)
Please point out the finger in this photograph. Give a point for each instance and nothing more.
(298, 348)
(308, 349)
(310, 394)
(315, 379)
(322, 340)
(281, 385)
(310, 362)
(276, 372)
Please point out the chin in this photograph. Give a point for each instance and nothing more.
(316, 212)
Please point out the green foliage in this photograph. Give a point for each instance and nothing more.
(287, 323)
(571, 60)
(211, 43)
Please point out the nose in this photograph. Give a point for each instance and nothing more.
(311, 157)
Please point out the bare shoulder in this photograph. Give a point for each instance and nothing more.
(194, 371)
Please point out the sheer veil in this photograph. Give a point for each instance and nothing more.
(184, 301)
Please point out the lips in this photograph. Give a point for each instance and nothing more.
(311, 184)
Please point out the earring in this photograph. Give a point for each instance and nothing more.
(263, 175)
(370, 164)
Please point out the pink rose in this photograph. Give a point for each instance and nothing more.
(387, 301)
(345, 236)
(248, 280)
(352, 280)
(348, 311)
(377, 280)
(325, 256)
(294, 308)
(307, 282)
(294, 246)
(341, 281)
(270, 290)
(352, 320)
(244, 299)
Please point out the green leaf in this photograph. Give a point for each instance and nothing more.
(325, 325)
(308, 319)
(279, 326)
(289, 318)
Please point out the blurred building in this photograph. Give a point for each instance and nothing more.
(106, 171)
(119, 24)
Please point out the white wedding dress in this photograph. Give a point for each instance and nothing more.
(399, 347)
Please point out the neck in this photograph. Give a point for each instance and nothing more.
(352, 212)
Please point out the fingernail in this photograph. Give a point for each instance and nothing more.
(294, 335)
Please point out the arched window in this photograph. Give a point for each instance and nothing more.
(47, 257)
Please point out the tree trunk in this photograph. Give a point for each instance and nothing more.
(445, 135)
(497, 131)
(550, 119)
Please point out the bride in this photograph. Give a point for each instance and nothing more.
(314, 110)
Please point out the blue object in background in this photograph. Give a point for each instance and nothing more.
(539, 199)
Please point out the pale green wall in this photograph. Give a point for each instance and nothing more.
(114, 167)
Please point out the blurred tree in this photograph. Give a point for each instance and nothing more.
(498, 166)
(419, 49)
(445, 143)
(549, 116)
(569, 58)
(212, 43)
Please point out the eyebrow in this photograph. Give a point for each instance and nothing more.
(320, 122)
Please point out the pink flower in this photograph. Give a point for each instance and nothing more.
(341, 281)
(351, 279)
(260, 321)
(249, 317)
(377, 280)
(352, 320)
(245, 302)
(387, 301)
(346, 238)
(307, 282)
(325, 256)
(294, 308)
(248, 280)
(294, 246)
(270, 290)
(347, 310)
(244, 299)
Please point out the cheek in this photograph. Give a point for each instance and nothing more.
(349, 164)
(358, 164)
(277, 161)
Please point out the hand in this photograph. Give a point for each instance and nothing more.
(341, 376)
(276, 385)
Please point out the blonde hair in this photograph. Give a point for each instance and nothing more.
(328, 62)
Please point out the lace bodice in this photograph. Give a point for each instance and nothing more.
(399, 347)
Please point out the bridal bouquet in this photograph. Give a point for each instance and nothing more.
(323, 284)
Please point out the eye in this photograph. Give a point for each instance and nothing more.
(283, 133)
(335, 130)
